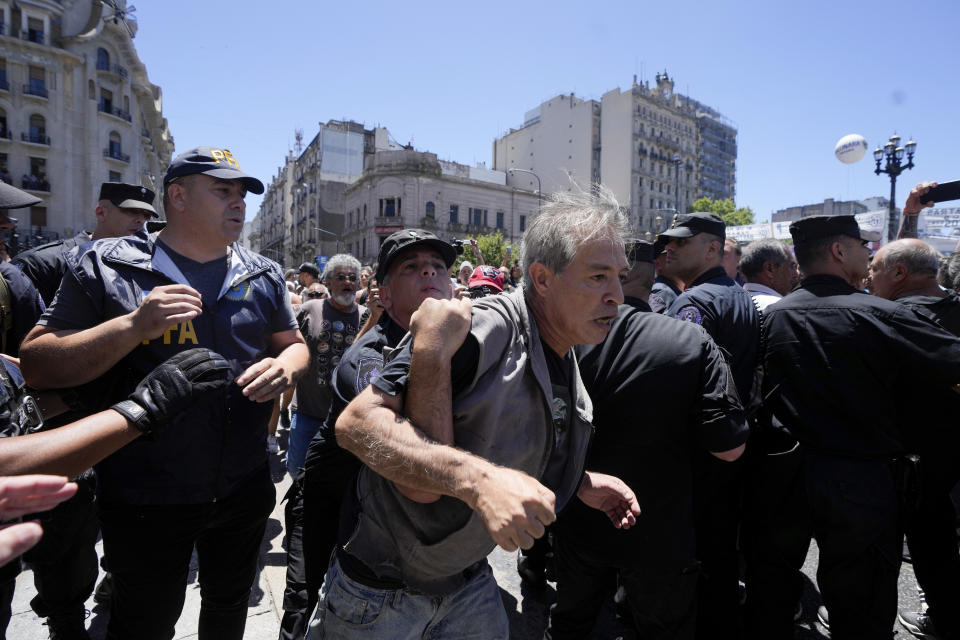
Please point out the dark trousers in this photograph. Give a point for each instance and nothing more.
(8, 582)
(932, 535)
(663, 603)
(312, 520)
(855, 507)
(64, 563)
(149, 548)
(774, 538)
(717, 496)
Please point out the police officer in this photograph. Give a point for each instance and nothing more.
(645, 356)
(64, 561)
(906, 271)
(844, 371)
(666, 286)
(20, 306)
(129, 303)
(639, 281)
(716, 302)
(314, 500)
(122, 209)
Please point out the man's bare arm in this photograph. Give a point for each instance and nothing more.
(69, 450)
(513, 506)
(730, 454)
(92, 352)
(911, 210)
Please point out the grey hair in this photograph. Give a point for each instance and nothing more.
(949, 276)
(341, 260)
(567, 221)
(917, 257)
(758, 252)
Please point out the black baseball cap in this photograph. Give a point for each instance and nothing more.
(814, 227)
(13, 198)
(406, 238)
(213, 162)
(660, 245)
(687, 225)
(128, 196)
(312, 269)
(640, 251)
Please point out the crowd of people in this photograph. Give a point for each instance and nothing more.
(662, 425)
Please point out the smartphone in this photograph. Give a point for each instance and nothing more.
(942, 192)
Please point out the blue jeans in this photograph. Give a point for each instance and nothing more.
(348, 609)
(302, 430)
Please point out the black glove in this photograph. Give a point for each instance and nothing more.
(172, 387)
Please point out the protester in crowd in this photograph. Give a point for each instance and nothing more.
(412, 266)
(308, 274)
(714, 301)
(770, 271)
(639, 281)
(329, 326)
(731, 260)
(502, 430)
(129, 303)
(464, 273)
(845, 373)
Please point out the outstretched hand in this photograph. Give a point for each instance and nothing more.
(612, 496)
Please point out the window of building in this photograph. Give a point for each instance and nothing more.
(523, 223)
(38, 129)
(38, 216)
(364, 252)
(37, 81)
(115, 176)
(38, 167)
(103, 59)
(430, 210)
(454, 214)
(106, 100)
(115, 145)
(499, 219)
(4, 131)
(389, 207)
(364, 212)
(651, 203)
(4, 85)
(91, 90)
(475, 216)
(35, 30)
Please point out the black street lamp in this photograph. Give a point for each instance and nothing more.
(893, 167)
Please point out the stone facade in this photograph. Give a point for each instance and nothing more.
(406, 188)
(76, 109)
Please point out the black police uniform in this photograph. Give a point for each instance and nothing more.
(203, 480)
(725, 310)
(649, 445)
(46, 264)
(312, 512)
(662, 294)
(931, 523)
(26, 307)
(839, 367)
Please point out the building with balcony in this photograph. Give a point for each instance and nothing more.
(406, 188)
(77, 109)
(656, 149)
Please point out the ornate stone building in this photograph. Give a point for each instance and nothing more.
(76, 109)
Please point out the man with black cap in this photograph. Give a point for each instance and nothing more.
(129, 303)
(308, 274)
(122, 210)
(842, 372)
(640, 279)
(412, 266)
(717, 303)
(20, 306)
(666, 286)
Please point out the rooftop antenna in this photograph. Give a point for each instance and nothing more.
(120, 14)
(298, 141)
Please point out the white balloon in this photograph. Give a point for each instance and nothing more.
(851, 148)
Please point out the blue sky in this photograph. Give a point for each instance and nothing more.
(452, 76)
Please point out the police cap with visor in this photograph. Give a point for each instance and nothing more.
(407, 238)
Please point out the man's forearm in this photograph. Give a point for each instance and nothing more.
(429, 398)
(908, 226)
(295, 358)
(394, 448)
(89, 352)
(68, 450)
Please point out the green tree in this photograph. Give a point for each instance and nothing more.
(492, 247)
(726, 209)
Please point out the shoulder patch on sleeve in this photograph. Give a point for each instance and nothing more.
(690, 313)
(367, 370)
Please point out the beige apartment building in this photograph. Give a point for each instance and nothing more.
(77, 109)
(406, 188)
(656, 149)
